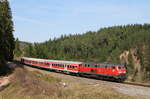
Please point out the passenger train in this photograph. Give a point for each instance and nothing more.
(99, 70)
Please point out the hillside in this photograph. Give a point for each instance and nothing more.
(23, 44)
(129, 45)
(34, 84)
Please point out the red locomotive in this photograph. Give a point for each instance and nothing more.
(101, 70)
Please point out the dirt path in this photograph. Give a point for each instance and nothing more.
(4, 82)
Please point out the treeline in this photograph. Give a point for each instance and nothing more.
(7, 44)
(104, 45)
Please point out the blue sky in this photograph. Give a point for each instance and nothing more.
(40, 20)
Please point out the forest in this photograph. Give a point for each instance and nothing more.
(105, 45)
(7, 43)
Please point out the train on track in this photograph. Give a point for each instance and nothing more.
(100, 70)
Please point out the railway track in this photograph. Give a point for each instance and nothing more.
(137, 84)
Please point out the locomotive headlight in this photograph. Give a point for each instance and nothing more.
(113, 70)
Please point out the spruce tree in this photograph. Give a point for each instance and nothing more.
(6, 35)
(17, 51)
(6, 25)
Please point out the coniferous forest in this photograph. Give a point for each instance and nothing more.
(128, 45)
(7, 43)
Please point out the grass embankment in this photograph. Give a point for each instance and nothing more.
(35, 85)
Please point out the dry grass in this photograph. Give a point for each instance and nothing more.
(35, 85)
(25, 83)
(81, 91)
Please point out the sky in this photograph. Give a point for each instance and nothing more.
(41, 20)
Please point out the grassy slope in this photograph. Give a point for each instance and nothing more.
(35, 85)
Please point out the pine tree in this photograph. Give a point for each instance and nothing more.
(7, 44)
(17, 51)
(6, 35)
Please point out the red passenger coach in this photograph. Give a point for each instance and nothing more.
(101, 70)
(66, 66)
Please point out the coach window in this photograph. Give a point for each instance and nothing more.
(80, 65)
(113, 67)
(96, 66)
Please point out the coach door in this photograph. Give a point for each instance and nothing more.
(50, 65)
(65, 67)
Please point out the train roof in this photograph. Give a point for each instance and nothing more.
(75, 62)
(61, 61)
